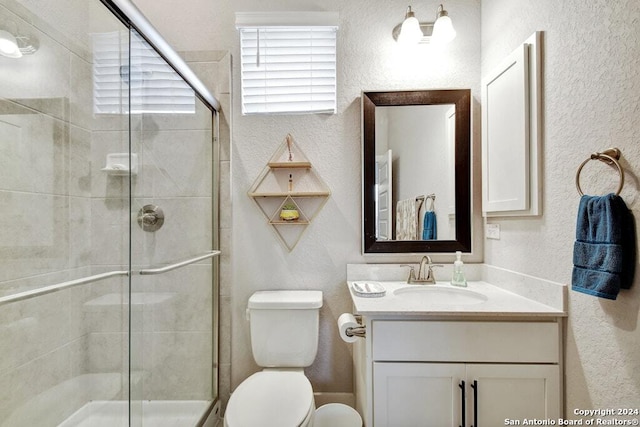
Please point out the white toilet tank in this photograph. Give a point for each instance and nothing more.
(284, 327)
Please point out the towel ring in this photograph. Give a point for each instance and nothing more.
(610, 157)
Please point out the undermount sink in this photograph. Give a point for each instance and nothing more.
(435, 294)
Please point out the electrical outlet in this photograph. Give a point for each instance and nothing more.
(492, 231)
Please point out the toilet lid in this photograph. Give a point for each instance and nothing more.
(270, 399)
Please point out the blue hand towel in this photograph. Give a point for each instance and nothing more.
(605, 249)
(429, 229)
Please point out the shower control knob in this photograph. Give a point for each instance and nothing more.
(150, 218)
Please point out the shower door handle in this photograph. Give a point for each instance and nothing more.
(150, 271)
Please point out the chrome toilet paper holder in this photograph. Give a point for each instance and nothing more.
(358, 331)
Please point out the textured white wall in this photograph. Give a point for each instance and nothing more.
(591, 102)
(591, 93)
(368, 59)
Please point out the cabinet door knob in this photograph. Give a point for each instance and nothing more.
(464, 412)
(474, 386)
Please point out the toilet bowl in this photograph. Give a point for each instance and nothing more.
(272, 398)
(284, 339)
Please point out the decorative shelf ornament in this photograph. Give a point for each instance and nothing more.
(289, 183)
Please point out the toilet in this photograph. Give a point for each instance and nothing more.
(284, 340)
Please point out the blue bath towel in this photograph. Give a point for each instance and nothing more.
(429, 229)
(605, 249)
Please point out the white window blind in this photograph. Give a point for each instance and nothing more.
(288, 68)
(144, 75)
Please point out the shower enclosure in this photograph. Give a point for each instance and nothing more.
(108, 222)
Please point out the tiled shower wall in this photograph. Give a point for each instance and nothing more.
(62, 218)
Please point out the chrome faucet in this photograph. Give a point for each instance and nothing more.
(425, 262)
(425, 271)
(412, 273)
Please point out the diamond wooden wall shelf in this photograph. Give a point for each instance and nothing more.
(289, 178)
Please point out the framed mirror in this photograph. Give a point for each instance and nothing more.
(416, 171)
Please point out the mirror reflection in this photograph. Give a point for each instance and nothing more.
(415, 197)
(416, 171)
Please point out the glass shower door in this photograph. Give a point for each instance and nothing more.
(173, 291)
(94, 128)
(64, 234)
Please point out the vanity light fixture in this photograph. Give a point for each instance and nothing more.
(412, 31)
(16, 46)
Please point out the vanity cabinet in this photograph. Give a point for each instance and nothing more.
(458, 394)
(435, 373)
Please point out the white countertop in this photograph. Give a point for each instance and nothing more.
(499, 303)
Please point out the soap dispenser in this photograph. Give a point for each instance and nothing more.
(458, 278)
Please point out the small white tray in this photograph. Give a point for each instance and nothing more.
(368, 289)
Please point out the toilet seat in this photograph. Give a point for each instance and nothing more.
(271, 398)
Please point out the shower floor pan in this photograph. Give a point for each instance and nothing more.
(155, 413)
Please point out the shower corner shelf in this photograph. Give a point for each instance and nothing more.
(288, 181)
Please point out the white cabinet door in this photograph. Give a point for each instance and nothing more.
(430, 394)
(451, 144)
(511, 134)
(514, 392)
(417, 394)
(505, 142)
(384, 196)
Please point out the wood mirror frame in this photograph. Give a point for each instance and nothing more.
(461, 98)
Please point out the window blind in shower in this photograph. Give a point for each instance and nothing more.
(288, 62)
(141, 82)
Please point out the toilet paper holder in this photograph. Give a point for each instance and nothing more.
(358, 331)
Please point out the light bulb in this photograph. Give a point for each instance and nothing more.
(410, 32)
(443, 31)
(9, 45)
